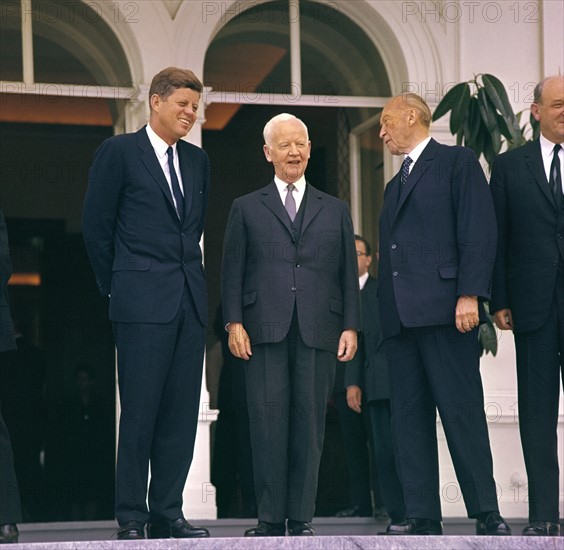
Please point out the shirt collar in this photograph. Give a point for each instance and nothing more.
(415, 153)
(362, 280)
(546, 146)
(159, 144)
(299, 185)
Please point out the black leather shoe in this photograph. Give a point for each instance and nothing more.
(415, 526)
(541, 529)
(9, 533)
(353, 512)
(132, 530)
(177, 529)
(265, 529)
(492, 525)
(300, 529)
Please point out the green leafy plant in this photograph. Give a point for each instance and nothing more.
(481, 117)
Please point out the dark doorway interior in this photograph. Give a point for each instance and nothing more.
(64, 444)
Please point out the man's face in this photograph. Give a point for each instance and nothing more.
(172, 118)
(396, 126)
(289, 151)
(364, 261)
(550, 110)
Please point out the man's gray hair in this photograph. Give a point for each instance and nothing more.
(270, 125)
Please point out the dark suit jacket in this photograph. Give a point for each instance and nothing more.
(369, 367)
(438, 242)
(6, 329)
(528, 223)
(266, 270)
(142, 254)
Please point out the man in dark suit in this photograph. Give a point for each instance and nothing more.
(437, 248)
(10, 505)
(143, 218)
(528, 292)
(290, 301)
(366, 382)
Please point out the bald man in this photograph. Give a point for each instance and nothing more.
(437, 248)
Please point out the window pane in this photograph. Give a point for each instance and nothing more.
(337, 57)
(11, 65)
(251, 54)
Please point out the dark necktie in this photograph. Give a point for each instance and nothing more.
(555, 179)
(404, 173)
(290, 202)
(178, 196)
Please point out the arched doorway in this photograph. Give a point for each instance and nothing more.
(309, 59)
(64, 84)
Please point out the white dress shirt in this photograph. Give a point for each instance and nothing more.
(547, 151)
(160, 146)
(415, 153)
(298, 193)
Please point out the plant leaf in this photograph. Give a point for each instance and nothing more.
(535, 125)
(489, 149)
(503, 128)
(477, 145)
(460, 109)
(450, 100)
(496, 93)
(474, 119)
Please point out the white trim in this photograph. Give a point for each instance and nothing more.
(69, 90)
(27, 43)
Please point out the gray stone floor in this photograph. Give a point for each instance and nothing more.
(337, 534)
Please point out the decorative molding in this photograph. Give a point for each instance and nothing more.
(172, 7)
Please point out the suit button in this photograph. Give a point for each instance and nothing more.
(183, 264)
(394, 246)
(183, 234)
(298, 265)
(293, 289)
(559, 236)
(395, 273)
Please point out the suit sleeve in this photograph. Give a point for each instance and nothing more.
(349, 275)
(475, 226)
(100, 212)
(499, 299)
(233, 265)
(354, 369)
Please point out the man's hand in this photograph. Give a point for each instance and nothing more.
(467, 316)
(239, 342)
(503, 319)
(354, 398)
(347, 345)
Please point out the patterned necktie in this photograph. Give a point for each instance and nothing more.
(555, 179)
(177, 192)
(404, 173)
(290, 202)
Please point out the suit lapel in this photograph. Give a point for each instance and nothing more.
(149, 159)
(313, 206)
(533, 160)
(391, 206)
(419, 168)
(271, 199)
(187, 170)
